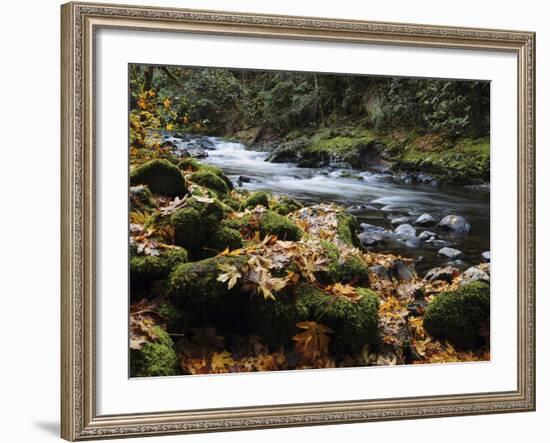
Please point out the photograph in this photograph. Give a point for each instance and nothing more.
(286, 220)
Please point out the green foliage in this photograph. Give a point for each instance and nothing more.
(156, 358)
(457, 316)
(161, 176)
(275, 224)
(257, 198)
(285, 205)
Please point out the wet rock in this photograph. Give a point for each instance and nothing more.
(427, 236)
(244, 179)
(446, 274)
(450, 253)
(368, 239)
(455, 224)
(474, 274)
(365, 227)
(401, 271)
(425, 220)
(380, 271)
(413, 242)
(486, 256)
(197, 153)
(404, 231)
(399, 221)
(437, 243)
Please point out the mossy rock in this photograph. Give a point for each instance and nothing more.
(211, 181)
(354, 324)
(223, 238)
(188, 230)
(193, 165)
(145, 269)
(194, 288)
(275, 320)
(141, 198)
(347, 229)
(210, 213)
(257, 198)
(351, 270)
(161, 176)
(155, 359)
(177, 321)
(231, 203)
(189, 164)
(285, 205)
(457, 316)
(279, 225)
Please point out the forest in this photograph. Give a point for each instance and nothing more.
(289, 220)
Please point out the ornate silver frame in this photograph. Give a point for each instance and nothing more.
(79, 420)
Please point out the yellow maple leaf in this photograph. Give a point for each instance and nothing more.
(221, 361)
(313, 342)
(230, 274)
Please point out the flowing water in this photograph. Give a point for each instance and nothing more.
(373, 197)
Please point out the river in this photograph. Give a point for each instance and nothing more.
(373, 197)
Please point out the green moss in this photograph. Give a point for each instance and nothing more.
(211, 213)
(347, 229)
(275, 224)
(457, 316)
(188, 230)
(231, 203)
(224, 238)
(285, 205)
(161, 176)
(146, 269)
(141, 198)
(275, 320)
(176, 320)
(351, 270)
(257, 198)
(189, 164)
(156, 358)
(466, 160)
(354, 324)
(211, 181)
(194, 288)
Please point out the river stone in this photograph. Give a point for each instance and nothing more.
(486, 256)
(450, 253)
(427, 236)
(402, 271)
(473, 274)
(455, 223)
(380, 271)
(413, 242)
(399, 221)
(405, 231)
(425, 220)
(365, 227)
(448, 273)
(370, 238)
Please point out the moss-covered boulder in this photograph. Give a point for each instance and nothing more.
(161, 176)
(285, 205)
(188, 230)
(457, 316)
(189, 164)
(354, 323)
(279, 225)
(223, 238)
(177, 320)
(257, 198)
(347, 229)
(154, 359)
(145, 269)
(211, 213)
(194, 287)
(141, 198)
(211, 181)
(275, 320)
(348, 270)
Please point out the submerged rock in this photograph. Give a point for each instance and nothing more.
(450, 253)
(427, 236)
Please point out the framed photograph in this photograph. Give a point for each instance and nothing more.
(281, 221)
